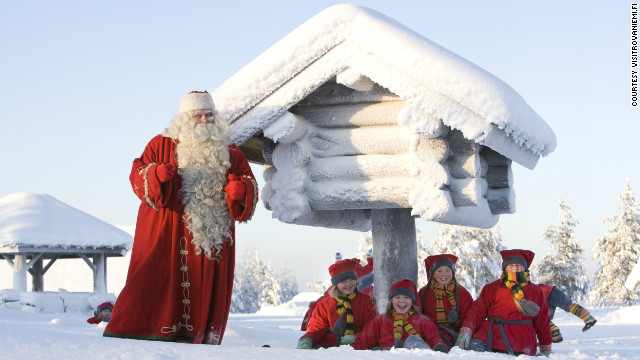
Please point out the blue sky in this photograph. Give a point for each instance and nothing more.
(85, 85)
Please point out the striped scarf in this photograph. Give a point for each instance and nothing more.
(441, 291)
(401, 323)
(344, 307)
(515, 281)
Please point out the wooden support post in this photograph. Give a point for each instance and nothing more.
(20, 272)
(99, 273)
(37, 278)
(395, 251)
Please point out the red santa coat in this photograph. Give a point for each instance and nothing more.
(172, 294)
(496, 301)
(325, 315)
(428, 305)
(379, 332)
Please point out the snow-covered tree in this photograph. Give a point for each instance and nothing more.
(423, 252)
(478, 252)
(564, 267)
(270, 293)
(244, 298)
(318, 286)
(254, 285)
(288, 285)
(365, 246)
(618, 252)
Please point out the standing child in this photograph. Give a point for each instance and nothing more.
(403, 326)
(511, 314)
(443, 300)
(557, 298)
(344, 312)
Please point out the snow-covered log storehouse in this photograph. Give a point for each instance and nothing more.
(38, 227)
(363, 124)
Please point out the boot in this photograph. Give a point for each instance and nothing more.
(556, 336)
(584, 315)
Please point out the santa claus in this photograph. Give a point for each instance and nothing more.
(193, 184)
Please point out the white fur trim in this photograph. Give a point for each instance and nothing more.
(196, 101)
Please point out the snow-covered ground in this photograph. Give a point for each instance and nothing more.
(29, 335)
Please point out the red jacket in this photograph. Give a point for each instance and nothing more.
(464, 302)
(325, 315)
(496, 301)
(546, 289)
(379, 332)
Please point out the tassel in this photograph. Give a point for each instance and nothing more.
(529, 308)
(452, 317)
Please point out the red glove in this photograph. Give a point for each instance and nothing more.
(164, 172)
(94, 320)
(235, 188)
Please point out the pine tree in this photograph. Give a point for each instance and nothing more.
(478, 252)
(618, 252)
(288, 285)
(423, 252)
(565, 267)
(270, 293)
(245, 297)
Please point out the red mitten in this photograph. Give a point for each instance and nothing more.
(164, 172)
(235, 188)
(94, 320)
(545, 350)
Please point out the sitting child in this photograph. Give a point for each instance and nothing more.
(403, 326)
(345, 311)
(102, 313)
(443, 300)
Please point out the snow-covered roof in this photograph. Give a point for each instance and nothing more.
(40, 220)
(350, 42)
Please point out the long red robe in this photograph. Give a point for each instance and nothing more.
(172, 294)
(496, 300)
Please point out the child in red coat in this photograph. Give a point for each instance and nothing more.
(511, 314)
(443, 300)
(102, 313)
(344, 312)
(403, 326)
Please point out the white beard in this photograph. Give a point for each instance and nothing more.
(203, 159)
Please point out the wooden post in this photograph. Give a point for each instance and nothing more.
(37, 278)
(99, 273)
(395, 251)
(20, 272)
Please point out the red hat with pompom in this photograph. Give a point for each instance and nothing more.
(344, 270)
(403, 287)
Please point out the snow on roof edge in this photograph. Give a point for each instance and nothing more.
(447, 73)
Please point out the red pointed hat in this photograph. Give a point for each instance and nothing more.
(433, 262)
(403, 287)
(517, 256)
(344, 270)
